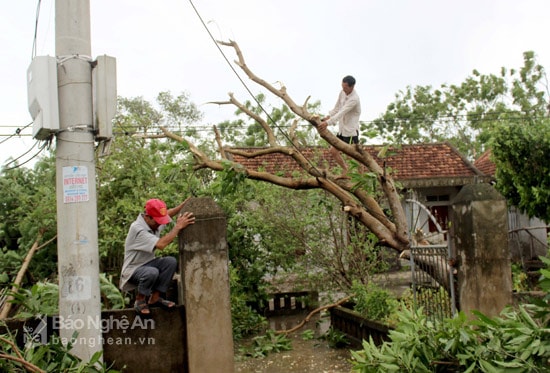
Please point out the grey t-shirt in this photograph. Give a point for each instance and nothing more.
(138, 249)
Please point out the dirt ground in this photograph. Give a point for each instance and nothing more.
(306, 356)
(314, 356)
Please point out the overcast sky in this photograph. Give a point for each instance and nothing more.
(309, 45)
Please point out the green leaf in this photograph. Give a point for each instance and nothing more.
(488, 367)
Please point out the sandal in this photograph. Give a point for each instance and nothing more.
(166, 304)
(142, 308)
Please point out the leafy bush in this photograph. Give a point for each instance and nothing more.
(516, 341)
(308, 335)
(111, 296)
(267, 343)
(373, 302)
(244, 320)
(43, 298)
(53, 357)
(336, 338)
(519, 278)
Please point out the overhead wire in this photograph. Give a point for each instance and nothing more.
(257, 102)
(33, 52)
(19, 130)
(130, 130)
(469, 117)
(245, 85)
(17, 133)
(22, 155)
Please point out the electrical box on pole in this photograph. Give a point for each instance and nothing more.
(42, 96)
(104, 96)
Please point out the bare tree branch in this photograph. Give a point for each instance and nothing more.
(6, 307)
(271, 139)
(219, 142)
(310, 315)
(354, 151)
(281, 93)
(357, 202)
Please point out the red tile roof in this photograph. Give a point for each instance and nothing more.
(419, 161)
(485, 164)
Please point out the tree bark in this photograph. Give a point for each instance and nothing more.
(391, 232)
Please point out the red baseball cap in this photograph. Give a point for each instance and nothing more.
(156, 209)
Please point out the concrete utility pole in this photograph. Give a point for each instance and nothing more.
(77, 238)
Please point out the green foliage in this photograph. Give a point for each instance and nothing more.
(270, 342)
(179, 112)
(245, 320)
(366, 181)
(516, 341)
(304, 233)
(520, 153)
(137, 169)
(466, 114)
(519, 278)
(336, 338)
(28, 210)
(41, 299)
(308, 335)
(231, 181)
(111, 296)
(373, 302)
(10, 262)
(505, 112)
(257, 247)
(53, 357)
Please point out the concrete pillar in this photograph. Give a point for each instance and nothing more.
(480, 233)
(204, 269)
(77, 236)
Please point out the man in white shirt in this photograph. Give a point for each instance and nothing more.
(346, 113)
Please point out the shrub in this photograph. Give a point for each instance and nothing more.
(516, 341)
(373, 302)
(267, 343)
(51, 357)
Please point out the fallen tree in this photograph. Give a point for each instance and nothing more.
(384, 216)
(6, 306)
(357, 202)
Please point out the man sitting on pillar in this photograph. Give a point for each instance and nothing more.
(151, 275)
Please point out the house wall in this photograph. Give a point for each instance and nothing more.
(526, 244)
(527, 237)
(435, 199)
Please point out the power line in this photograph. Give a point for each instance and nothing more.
(22, 155)
(27, 161)
(16, 133)
(245, 86)
(19, 130)
(130, 129)
(33, 52)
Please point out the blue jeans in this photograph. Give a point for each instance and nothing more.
(154, 275)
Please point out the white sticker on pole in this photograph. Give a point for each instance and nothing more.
(76, 288)
(75, 184)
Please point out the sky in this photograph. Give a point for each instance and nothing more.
(308, 45)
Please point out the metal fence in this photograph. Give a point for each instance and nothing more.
(433, 281)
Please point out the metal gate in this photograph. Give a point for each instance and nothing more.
(432, 276)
